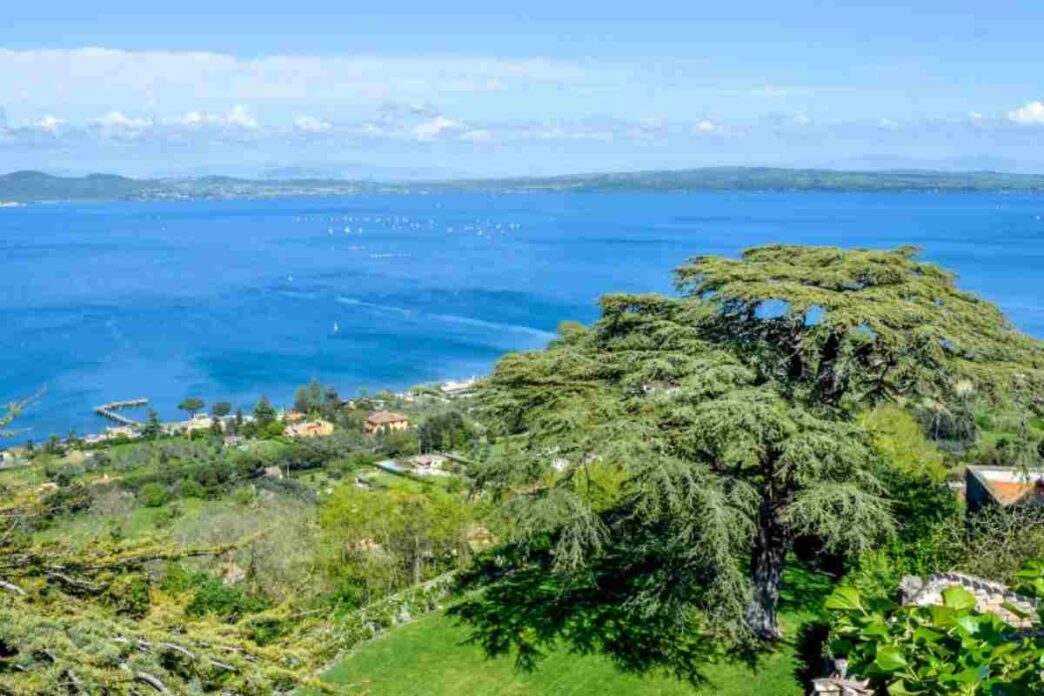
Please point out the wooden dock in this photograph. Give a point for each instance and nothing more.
(111, 411)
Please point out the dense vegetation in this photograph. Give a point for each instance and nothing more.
(672, 490)
(660, 465)
(186, 563)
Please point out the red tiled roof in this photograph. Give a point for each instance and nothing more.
(382, 417)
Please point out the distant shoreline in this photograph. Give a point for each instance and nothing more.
(22, 187)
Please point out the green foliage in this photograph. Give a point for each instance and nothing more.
(153, 495)
(191, 404)
(81, 619)
(897, 436)
(129, 595)
(264, 413)
(445, 432)
(244, 495)
(730, 417)
(863, 325)
(152, 428)
(947, 649)
(211, 596)
(928, 523)
(378, 541)
(397, 443)
(220, 409)
(996, 543)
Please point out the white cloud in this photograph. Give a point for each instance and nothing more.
(438, 127)
(706, 126)
(117, 119)
(311, 124)
(801, 119)
(1030, 114)
(564, 132)
(48, 124)
(236, 118)
(239, 118)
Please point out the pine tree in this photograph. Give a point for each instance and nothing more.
(658, 466)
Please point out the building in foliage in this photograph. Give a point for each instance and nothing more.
(385, 422)
(462, 388)
(987, 486)
(314, 428)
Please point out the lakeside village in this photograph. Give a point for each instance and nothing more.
(398, 423)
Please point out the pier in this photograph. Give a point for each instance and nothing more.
(111, 411)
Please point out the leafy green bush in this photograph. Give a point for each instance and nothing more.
(129, 595)
(153, 495)
(191, 488)
(946, 649)
(897, 436)
(244, 495)
(211, 596)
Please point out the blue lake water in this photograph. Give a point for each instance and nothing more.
(230, 300)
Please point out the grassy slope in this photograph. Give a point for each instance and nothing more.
(139, 522)
(430, 657)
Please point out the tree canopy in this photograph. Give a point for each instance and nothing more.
(858, 324)
(657, 466)
(191, 404)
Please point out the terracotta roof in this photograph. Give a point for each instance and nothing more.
(382, 417)
(1007, 493)
(1008, 485)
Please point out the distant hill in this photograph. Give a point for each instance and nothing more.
(30, 186)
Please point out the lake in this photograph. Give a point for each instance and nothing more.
(229, 300)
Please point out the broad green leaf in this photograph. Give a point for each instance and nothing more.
(969, 624)
(889, 658)
(926, 635)
(958, 598)
(845, 599)
(972, 675)
(900, 688)
(877, 627)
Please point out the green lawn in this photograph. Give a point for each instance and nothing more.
(138, 522)
(429, 657)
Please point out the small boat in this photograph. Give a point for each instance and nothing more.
(337, 327)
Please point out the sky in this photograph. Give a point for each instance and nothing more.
(395, 90)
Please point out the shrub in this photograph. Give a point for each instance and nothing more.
(129, 595)
(897, 436)
(945, 649)
(190, 488)
(153, 495)
(244, 495)
(210, 596)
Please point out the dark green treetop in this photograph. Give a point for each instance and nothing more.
(191, 404)
(860, 324)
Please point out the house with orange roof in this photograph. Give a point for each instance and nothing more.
(1004, 486)
(385, 421)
